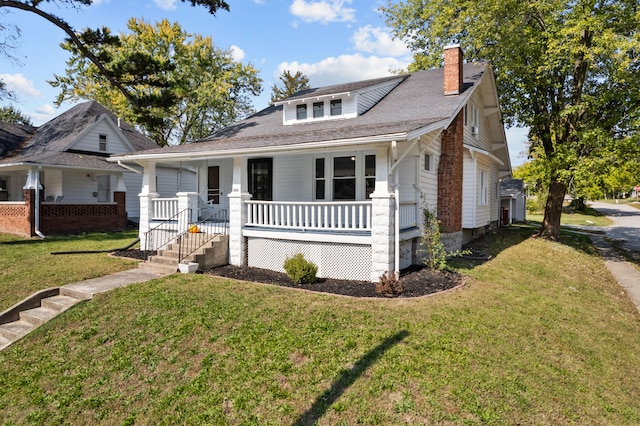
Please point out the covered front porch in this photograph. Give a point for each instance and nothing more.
(292, 203)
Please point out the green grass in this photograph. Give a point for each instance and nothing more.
(540, 335)
(590, 217)
(27, 266)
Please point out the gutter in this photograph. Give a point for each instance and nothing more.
(37, 218)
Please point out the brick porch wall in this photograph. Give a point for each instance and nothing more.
(450, 177)
(58, 218)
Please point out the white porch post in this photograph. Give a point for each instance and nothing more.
(188, 200)
(237, 213)
(147, 194)
(383, 220)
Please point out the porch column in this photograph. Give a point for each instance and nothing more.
(237, 213)
(147, 194)
(383, 207)
(188, 200)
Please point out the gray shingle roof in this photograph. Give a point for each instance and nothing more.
(48, 143)
(418, 101)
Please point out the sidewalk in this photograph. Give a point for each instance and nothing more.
(626, 231)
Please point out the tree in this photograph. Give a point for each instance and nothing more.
(291, 84)
(190, 88)
(9, 114)
(89, 40)
(563, 68)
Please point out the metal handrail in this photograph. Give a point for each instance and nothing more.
(200, 233)
(165, 232)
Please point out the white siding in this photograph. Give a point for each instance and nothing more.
(292, 178)
(90, 141)
(429, 178)
(469, 193)
(78, 187)
(52, 182)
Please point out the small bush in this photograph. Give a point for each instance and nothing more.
(389, 285)
(300, 270)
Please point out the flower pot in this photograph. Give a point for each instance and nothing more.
(188, 268)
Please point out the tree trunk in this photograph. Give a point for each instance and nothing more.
(552, 211)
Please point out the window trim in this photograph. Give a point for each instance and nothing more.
(329, 175)
(102, 142)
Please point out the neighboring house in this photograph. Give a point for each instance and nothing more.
(514, 202)
(342, 173)
(56, 179)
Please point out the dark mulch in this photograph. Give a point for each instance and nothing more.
(415, 281)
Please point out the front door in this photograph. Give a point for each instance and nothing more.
(213, 185)
(261, 178)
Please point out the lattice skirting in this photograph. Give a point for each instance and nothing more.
(334, 260)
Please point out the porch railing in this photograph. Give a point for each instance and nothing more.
(344, 216)
(161, 235)
(408, 215)
(205, 230)
(164, 208)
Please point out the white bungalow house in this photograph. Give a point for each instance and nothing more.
(55, 178)
(342, 173)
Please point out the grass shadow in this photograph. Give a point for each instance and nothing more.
(346, 378)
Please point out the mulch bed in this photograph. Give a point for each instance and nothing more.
(416, 281)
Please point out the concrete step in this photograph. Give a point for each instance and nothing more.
(163, 260)
(37, 316)
(75, 292)
(59, 303)
(15, 330)
(160, 268)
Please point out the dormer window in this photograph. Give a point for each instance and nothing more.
(336, 107)
(318, 109)
(102, 143)
(301, 112)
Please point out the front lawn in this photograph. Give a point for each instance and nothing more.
(542, 334)
(588, 217)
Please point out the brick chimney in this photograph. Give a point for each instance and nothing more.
(453, 79)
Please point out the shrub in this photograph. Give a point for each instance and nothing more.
(300, 270)
(389, 285)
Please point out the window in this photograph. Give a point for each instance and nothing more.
(102, 143)
(344, 178)
(301, 112)
(320, 179)
(428, 166)
(484, 188)
(369, 174)
(336, 107)
(318, 109)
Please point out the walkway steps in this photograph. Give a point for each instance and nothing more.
(24, 317)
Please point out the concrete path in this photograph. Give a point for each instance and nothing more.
(624, 234)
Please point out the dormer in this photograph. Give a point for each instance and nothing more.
(336, 103)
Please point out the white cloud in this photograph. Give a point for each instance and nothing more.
(323, 11)
(343, 69)
(378, 40)
(237, 53)
(166, 4)
(259, 1)
(43, 114)
(18, 84)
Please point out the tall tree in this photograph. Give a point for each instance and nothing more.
(563, 68)
(11, 115)
(290, 84)
(190, 87)
(90, 39)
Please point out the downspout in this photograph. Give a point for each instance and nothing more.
(397, 224)
(37, 215)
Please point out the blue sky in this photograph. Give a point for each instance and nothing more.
(331, 41)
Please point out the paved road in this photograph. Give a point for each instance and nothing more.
(626, 235)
